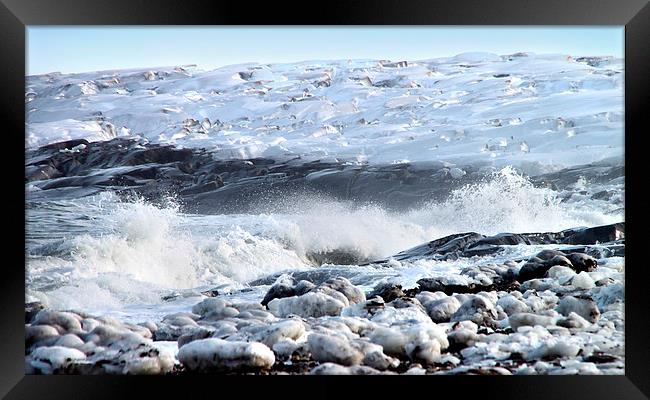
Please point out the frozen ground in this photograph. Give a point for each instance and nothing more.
(556, 110)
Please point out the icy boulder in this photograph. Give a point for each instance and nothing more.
(528, 319)
(335, 369)
(308, 305)
(441, 310)
(479, 310)
(52, 360)
(326, 348)
(216, 354)
(586, 308)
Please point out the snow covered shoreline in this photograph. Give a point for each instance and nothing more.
(544, 110)
(563, 316)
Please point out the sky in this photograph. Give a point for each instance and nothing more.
(69, 49)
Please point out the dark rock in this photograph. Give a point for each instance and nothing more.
(387, 291)
(278, 291)
(536, 268)
(548, 254)
(599, 234)
(196, 334)
(532, 270)
(31, 309)
(582, 262)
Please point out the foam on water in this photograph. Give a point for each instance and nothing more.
(131, 252)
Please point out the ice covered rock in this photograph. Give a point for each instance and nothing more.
(443, 309)
(308, 305)
(558, 271)
(586, 308)
(54, 359)
(374, 357)
(573, 321)
(583, 281)
(335, 349)
(512, 305)
(63, 321)
(36, 333)
(528, 319)
(217, 354)
(292, 329)
(387, 291)
(335, 369)
(478, 310)
(209, 305)
(70, 340)
(553, 348)
(341, 285)
(609, 295)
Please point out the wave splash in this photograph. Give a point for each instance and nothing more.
(146, 249)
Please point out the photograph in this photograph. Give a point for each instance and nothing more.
(324, 200)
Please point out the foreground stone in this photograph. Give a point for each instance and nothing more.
(218, 355)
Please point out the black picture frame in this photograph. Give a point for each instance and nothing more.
(15, 15)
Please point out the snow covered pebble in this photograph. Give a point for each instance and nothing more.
(218, 354)
(553, 348)
(583, 281)
(528, 319)
(335, 369)
(478, 310)
(308, 305)
(586, 308)
(50, 360)
(442, 310)
(65, 321)
(70, 340)
(326, 348)
(512, 305)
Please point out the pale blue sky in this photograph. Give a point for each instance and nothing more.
(79, 49)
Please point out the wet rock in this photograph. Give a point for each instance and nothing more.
(598, 234)
(582, 262)
(387, 291)
(31, 309)
(278, 291)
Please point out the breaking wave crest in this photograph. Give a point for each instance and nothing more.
(138, 245)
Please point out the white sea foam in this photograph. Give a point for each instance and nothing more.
(134, 252)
